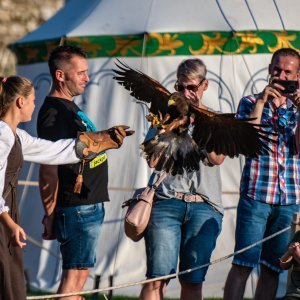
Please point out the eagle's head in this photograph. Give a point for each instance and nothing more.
(180, 102)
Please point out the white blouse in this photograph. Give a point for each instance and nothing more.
(35, 150)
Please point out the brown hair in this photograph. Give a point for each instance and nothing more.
(285, 52)
(192, 68)
(10, 89)
(63, 54)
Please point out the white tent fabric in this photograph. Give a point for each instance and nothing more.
(107, 104)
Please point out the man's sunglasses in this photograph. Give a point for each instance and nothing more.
(190, 87)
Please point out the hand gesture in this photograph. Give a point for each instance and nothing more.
(17, 234)
(271, 91)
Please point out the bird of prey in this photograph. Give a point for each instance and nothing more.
(186, 131)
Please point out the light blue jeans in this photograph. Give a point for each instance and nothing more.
(189, 230)
(77, 230)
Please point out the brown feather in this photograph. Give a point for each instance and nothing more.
(176, 150)
(143, 88)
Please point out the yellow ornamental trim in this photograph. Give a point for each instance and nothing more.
(166, 42)
(283, 41)
(92, 49)
(125, 45)
(248, 40)
(210, 44)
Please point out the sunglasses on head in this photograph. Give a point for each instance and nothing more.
(189, 87)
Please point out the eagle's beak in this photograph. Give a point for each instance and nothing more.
(171, 102)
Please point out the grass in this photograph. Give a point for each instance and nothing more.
(93, 297)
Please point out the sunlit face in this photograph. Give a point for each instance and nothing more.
(285, 68)
(76, 76)
(28, 106)
(194, 96)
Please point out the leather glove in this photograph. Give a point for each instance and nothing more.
(89, 144)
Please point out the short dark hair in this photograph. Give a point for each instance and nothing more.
(63, 54)
(285, 52)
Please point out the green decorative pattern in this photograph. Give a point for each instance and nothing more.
(166, 44)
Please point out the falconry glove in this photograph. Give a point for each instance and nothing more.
(89, 144)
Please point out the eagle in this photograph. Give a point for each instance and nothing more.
(186, 132)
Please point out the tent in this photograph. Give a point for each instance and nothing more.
(235, 38)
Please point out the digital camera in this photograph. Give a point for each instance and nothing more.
(290, 86)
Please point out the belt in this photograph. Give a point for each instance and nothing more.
(189, 197)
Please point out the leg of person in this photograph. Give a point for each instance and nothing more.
(250, 227)
(190, 291)
(267, 284)
(153, 290)
(280, 218)
(162, 239)
(72, 280)
(201, 227)
(77, 230)
(236, 282)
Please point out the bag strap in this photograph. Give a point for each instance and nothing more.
(162, 176)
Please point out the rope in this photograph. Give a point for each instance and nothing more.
(279, 15)
(162, 277)
(251, 14)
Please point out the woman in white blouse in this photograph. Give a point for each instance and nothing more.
(17, 105)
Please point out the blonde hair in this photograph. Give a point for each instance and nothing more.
(10, 89)
(193, 68)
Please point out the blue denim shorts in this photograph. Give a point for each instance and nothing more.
(189, 230)
(77, 230)
(257, 220)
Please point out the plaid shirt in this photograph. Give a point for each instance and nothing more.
(273, 178)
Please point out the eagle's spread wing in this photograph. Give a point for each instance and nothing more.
(224, 134)
(143, 88)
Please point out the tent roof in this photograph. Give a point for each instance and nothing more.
(111, 17)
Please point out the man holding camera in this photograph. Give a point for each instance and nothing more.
(269, 190)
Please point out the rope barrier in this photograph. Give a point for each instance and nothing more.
(162, 277)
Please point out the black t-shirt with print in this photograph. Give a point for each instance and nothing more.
(59, 119)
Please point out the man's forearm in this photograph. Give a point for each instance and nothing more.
(48, 182)
(257, 111)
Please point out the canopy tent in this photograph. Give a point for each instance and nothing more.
(234, 38)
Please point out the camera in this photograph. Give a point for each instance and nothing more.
(290, 86)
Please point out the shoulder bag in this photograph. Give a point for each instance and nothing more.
(139, 210)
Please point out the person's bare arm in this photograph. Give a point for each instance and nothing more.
(287, 258)
(269, 93)
(48, 182)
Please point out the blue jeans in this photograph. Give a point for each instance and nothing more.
(77, 230)
(256, 220)
(188, 229)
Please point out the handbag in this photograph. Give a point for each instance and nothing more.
(139, 210)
